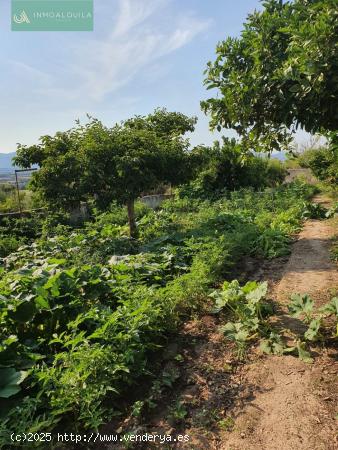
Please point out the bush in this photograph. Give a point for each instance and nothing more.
(9, 244)
(323, 161)
(224, 168)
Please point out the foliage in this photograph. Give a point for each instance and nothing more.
(334, 248)
(9, 244)
(94, 163)
(177, 412)
(9, 199)
(323, 161)
(15, 232)
(303, 306)
(10, 382)
(314, 211)
(223, 168)
(272, 243)
(247, 306)
(83, 310)
(279, 74)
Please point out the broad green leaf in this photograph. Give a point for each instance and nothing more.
(235, 331)
(312, 332)
(331, 307)
(300, 304)
(266, 346)
(23, 312)
(303, 354)
(295, 88)
(258, 294)
(41, 302)
(9, 391)
(10, 380)
(249, 286)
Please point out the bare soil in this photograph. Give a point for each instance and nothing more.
(293, 404)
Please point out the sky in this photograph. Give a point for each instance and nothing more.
(142, 54)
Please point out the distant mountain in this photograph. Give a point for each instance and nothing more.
(6, 161)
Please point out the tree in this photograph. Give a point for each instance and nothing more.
(222, 167)
(93, 162)
(58, 182)
(279, 75)
(323, 161)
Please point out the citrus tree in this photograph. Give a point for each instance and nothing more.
(94, 162)
(280, 74)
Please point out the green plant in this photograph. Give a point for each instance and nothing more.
(98, 164)
(10, 381)
(314, 211)
(323, 161)
(9, 244)
(272, 243)
(245, 304)
(223, 169)
(177, 412)
(301, 305)
(275, 76)
(84, 309)
(227, 424)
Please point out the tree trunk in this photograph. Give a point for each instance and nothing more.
(131, 219)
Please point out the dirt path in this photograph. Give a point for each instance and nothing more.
(291, 403)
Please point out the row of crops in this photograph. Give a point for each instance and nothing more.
(82, 311)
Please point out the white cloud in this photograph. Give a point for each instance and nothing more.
(134, 12)
(144, 31)
(188, 28)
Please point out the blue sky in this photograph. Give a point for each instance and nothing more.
(143, 54)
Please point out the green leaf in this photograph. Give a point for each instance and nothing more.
(9, 391)
(331, 307)
(303, 354)
(249, 286)
(300, 304)
(312, 332)
(10, 380)
(235, 331)
(273, 345)
(266, 347)
(23, 312)
(295, 88)
(258, 294)
(41, 302)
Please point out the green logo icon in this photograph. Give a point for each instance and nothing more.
(52, 15)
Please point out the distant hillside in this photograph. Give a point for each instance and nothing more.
(6, 160)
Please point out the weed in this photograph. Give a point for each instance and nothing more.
(177, 412)
(227, 424)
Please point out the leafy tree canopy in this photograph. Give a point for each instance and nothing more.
(223, 168)
(92, 161)
(279, 75)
